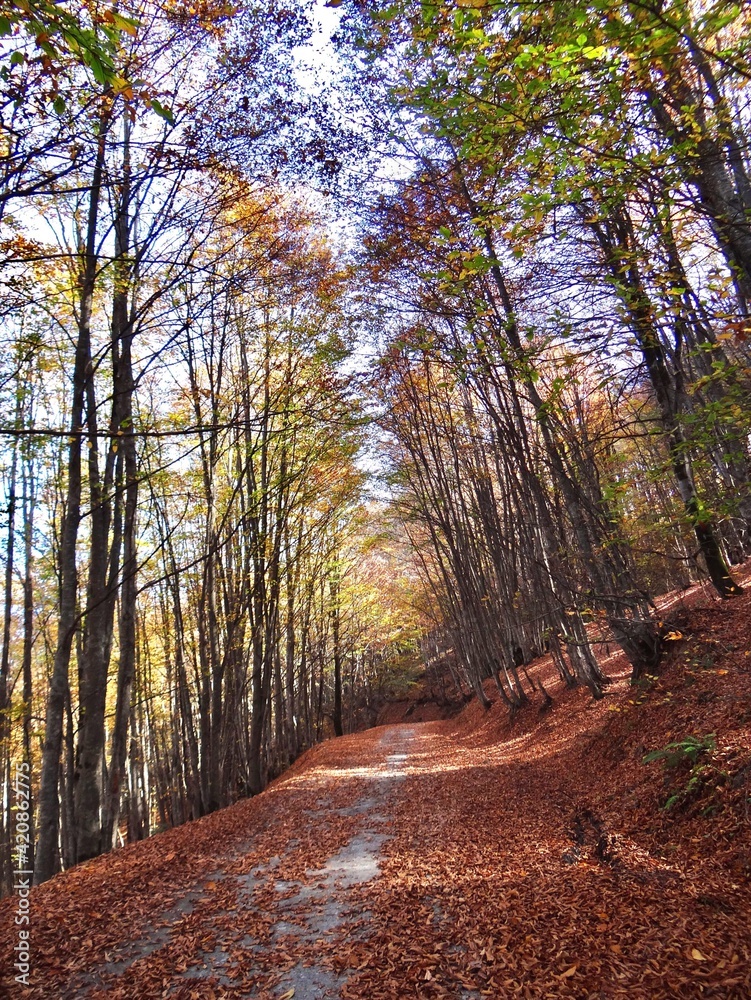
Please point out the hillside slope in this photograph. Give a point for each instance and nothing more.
(479, 856)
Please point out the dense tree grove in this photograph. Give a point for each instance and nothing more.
(566, 377)
(553, 267)
(194, 590)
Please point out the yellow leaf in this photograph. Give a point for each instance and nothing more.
(288, 995)
(568, 973)
(674, 635)
(697, 955)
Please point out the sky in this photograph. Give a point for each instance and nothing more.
(317, 61)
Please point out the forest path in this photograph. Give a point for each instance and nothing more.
(300, 917)
(273, 912)
(481, 857)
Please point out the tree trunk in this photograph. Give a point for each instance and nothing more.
(47, 858)
(337, 652)
(122, 335)
(6, 860)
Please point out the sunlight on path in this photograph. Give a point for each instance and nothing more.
(289, 918)
(423, 861)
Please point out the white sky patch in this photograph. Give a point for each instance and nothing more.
(317, 62)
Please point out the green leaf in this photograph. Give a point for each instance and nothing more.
(59, 104)
(163, 112)
(96, 67)
(5, 26)
(127, 24)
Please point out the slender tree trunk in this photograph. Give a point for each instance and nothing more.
(122, 334)
(292, 704)
(334, 585)
(6, 860)
(47, 858)
(29, 502)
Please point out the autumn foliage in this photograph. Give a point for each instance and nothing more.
(513, 861)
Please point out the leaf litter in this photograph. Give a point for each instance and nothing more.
(483, 856)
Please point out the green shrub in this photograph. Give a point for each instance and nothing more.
(686, 751)
(689, 749)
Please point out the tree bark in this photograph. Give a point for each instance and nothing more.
(47, 858)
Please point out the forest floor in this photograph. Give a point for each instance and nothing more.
(483, 856)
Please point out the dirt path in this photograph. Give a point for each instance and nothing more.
(305, 912)
(273, 911)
